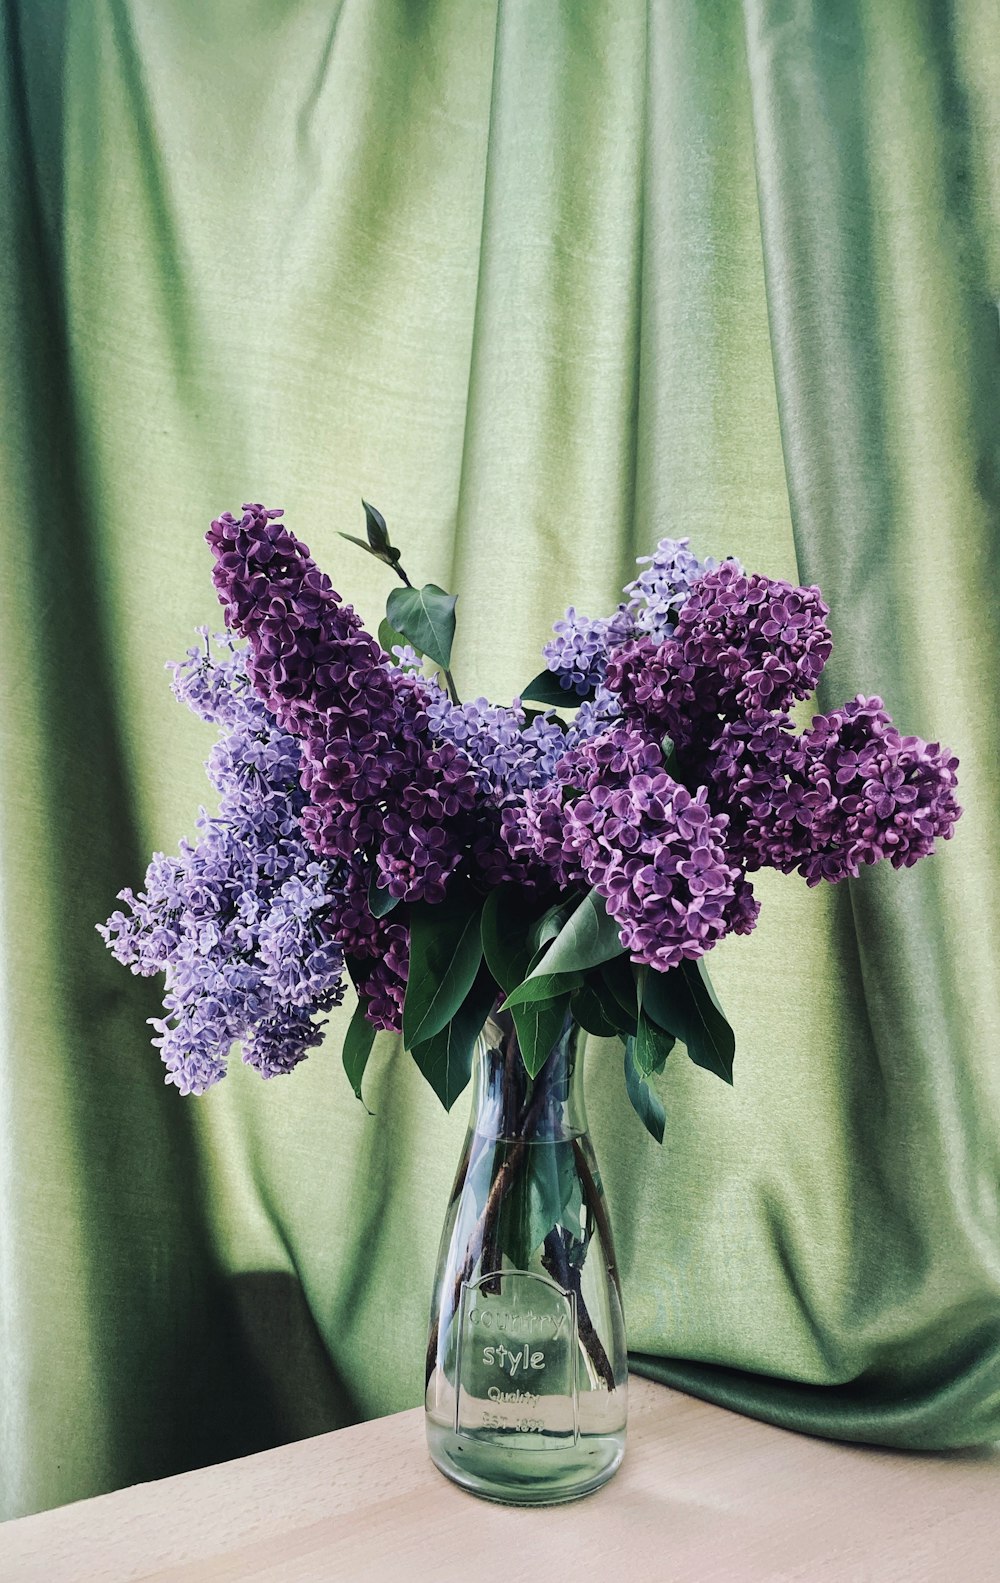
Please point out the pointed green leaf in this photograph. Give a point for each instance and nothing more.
(507, 920)
(378, 534)
(538, 1027)
(358, 1043)
(588, 937)
(380, 902)
(652, 1043)
(445, 1059)
(445, 952)
(362, 545)
(390, 639)
(426, 616)
(549, 924)
(595, 1009)
(647, 1105)
(684, 1003)
(545, 688)
(617, 978)
(545, 987)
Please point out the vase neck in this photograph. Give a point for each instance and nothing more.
(507, 1103)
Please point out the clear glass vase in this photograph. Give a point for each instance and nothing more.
(526, 1368)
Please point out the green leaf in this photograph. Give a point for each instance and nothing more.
(647, 1105)
(426, 616)
(652, 1046)
(617, 977)
(545, 987)
(545, 689)
(378, 534)
(684, 1003)
(588, 937)
(652, 1043)
(538, 1027)
(596, 1009)
(358, 1043)
(353, 539)
(549, 924)
(445, 1059)
(380, 902)
(445, 952)
(390, 639)
(507, 920)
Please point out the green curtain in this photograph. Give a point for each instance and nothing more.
(545, 280)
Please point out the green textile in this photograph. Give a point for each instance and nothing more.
(545, 281)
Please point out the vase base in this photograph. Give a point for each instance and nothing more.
(517, 1476)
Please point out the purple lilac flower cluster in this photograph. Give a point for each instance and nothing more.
(243, 921)
(508, 753)
(338, 769)
(657, 594)
(376, 782)
(578, 654)
(614, 819)
(579, 651)
(849, 791)
(742, 643)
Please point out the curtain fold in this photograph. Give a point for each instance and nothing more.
(545, 281)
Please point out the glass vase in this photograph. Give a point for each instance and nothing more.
(526, 1367)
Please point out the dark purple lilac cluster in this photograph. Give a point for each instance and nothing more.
(846, 792)
(742, 643)
(376, 781)
(243, 922)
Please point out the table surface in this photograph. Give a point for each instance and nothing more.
(703, 1494)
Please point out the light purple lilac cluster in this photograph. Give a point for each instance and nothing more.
(508, 753)
(657, 594)
(578, 654)
(243, 921)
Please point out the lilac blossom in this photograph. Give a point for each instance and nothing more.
(743, 643)
(337, 770)
(848, 791)
(241, 922)
(657, 594)
(615, 819)
(578, 654)
(367, 751)
(508, 753)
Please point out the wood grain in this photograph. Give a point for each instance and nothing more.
(703, 1494)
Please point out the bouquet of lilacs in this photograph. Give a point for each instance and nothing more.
(453, 859)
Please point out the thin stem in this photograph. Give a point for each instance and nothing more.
(452, 689)
(556, 1261)
(595, 1203)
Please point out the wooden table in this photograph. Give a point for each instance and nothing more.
(703, 1495)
